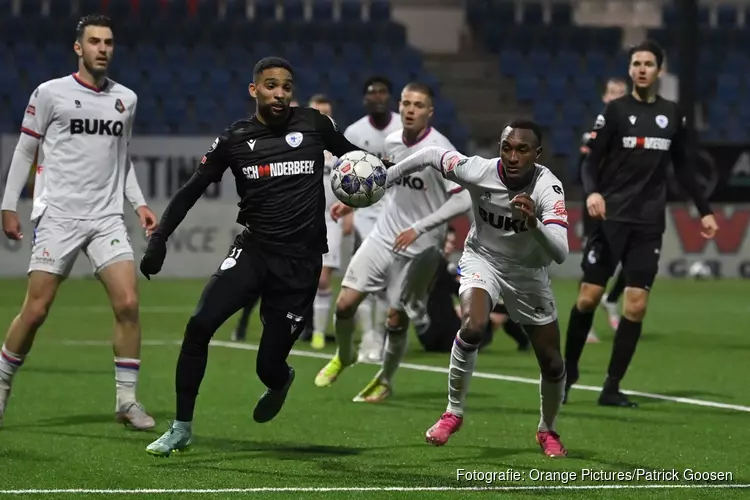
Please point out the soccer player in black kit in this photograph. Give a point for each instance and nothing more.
(636, 136)
(277, 160)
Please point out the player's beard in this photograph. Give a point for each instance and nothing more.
(272, 118)
(97, 73)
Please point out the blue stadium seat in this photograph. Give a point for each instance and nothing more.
(380, 10)
(203, 56)
(352, 56)
(718, 114)
(567, 63)
(90, 7)
(31, 8)
(207, 10)
(176, 55)
(511, 62)
(323, 52)
(596, 63)
(561, 14)
(381, 57)
(294, 10)
(294, 53)
(574, 114)
(726, 16)
(350, 10)
(532, 14)
(728, 88)
(557, 88)
(545, 113)
(539, 60)
(527, 88)
(265, 10)
(60, 10)
(563, 142)
(322, 10)
(236, 10)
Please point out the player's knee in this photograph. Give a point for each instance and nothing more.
(346, 304)
(635, 304)
(34, 312)
(472, 329)
(126, 308)
(396, 319)
(198, 333)
(551, 364)
(589, 297)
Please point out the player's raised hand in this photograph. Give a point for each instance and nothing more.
(596, 206)
(527, 207)
(710, 226)
(405, 239)
(148, 219)
(154, 256)
(338, 210)
(12, 225)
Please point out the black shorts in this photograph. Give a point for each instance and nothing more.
(637, 246)
(286, 285)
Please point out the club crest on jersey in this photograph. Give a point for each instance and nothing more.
(119, 106)
(600, 122)
(662, 121)
(294, 139)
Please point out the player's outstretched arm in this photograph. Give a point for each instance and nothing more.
(23, 158)
(426, 157)
(211, 169)
(457, 204)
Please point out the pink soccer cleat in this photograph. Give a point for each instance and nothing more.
(440, 433)
(550, 443)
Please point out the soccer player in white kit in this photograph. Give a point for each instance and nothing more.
(369, 133)
(335, 230)
(520, 227)
(80, 126)
(381, 263)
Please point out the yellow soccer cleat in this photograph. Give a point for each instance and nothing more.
(375, 392)
(330, 372)
(318, 340)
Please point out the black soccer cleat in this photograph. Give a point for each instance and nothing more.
(616, 398)
(270, 403)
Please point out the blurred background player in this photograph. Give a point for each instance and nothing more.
(614, 89)
(520, 228)
(394, 258)
(369, 133)
(315, 331)
(80, 126)
(437, 331)
(625, 173)
(335, 230)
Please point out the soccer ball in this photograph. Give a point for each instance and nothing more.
(358, 179)
(699, 270)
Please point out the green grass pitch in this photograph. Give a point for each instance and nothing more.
(60, 434)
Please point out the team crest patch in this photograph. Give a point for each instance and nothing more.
(294, 139)
(662, 121)
(600, 122)
(119, 106)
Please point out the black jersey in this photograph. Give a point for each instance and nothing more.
(632, 145)
(278, 172)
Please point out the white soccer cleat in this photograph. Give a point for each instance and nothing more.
(134, 415)
(591, 338)
(4, 396)
(371, 348)
(613, 314)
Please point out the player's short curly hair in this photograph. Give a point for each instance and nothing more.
(377, 79)
(269, 63)
(648, 46)
(92, 20)
(528, 125)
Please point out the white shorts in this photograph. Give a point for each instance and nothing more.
(333, 258)
(57, 241)
(364, 221)
(526, 292)
(406, 280)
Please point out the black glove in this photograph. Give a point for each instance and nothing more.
(153, 259)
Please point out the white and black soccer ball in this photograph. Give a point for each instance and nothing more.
(699, 270)
(358, 179)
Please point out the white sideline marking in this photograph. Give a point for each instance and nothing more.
(384, 488)
(438, 369)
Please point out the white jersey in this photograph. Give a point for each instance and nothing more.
(368, 137)
(83, 156)
(415, 196)
(330, 162)
(499, 231)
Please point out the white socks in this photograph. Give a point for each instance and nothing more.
(551, 394)
(463, 360)
(322, 307)
(126, 380)
(10, 362)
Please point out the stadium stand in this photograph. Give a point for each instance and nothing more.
(190, 60)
